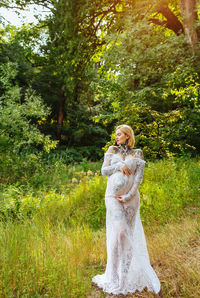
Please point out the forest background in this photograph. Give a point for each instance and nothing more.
(66, 82)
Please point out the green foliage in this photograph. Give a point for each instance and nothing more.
(19, 115)
(99, 64)
(108, 63)
(34, 173)
(151, 82)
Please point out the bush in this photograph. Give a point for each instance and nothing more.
(20, 114)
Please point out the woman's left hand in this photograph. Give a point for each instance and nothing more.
(119, 198)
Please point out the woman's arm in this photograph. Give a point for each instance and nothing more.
(107, 169)
(137, 181)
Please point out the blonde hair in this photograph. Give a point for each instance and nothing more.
(127, 130)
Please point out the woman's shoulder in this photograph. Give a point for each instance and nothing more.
(112, 149)
(137, 153)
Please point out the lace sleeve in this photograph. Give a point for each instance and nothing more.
(108, 169)
(137, 181)
(137, 153)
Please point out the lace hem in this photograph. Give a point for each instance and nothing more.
(109, 288)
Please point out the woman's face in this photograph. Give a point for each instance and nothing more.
(120, 137)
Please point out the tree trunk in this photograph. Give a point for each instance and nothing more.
(172, 22)
(61, 114)
(188, 10)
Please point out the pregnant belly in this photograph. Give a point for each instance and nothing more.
(120, 184)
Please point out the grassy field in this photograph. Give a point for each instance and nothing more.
(53, 241)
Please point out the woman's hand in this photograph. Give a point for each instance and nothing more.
(119, 198)
(126, 171)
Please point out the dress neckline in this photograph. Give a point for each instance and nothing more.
(120, 156)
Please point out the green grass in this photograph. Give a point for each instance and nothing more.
(53, 241)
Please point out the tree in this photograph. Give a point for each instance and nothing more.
(64, 64)
(190, 17)
(20, 114)
(183, 22)
(151, 83)
(121, 60)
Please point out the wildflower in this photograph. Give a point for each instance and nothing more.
(89, 173)
(74, 180)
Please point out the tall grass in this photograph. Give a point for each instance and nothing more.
(175, 254)
(38, 260)
(168, 189)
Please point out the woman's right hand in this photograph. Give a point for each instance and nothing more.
(126, 171)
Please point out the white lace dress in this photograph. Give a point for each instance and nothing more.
(128, 267)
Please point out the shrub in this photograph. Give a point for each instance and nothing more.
(19, 115)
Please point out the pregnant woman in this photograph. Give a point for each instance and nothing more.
(128, 267)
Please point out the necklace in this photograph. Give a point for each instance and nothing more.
(124, 150)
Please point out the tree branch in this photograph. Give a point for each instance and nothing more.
(111, 9)
(158, 22)
(172, 21)
(21, 6)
